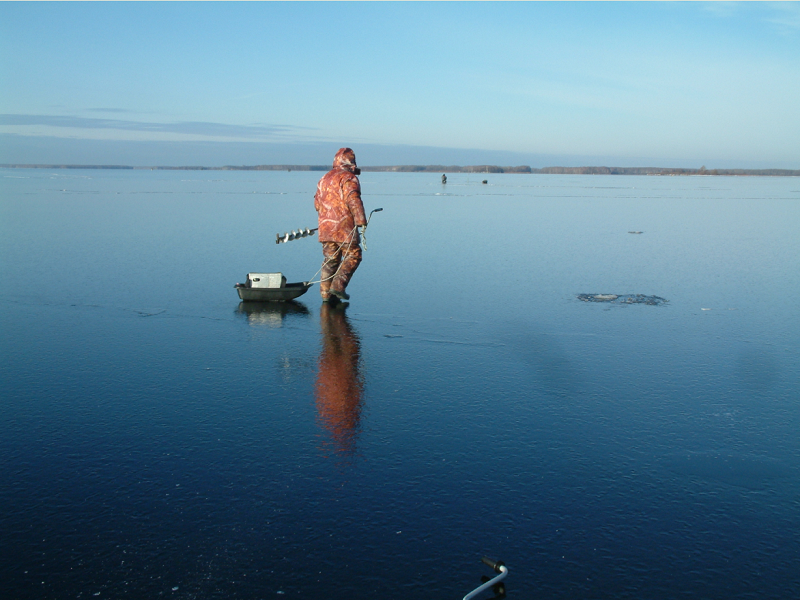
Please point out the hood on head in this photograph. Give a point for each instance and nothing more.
(346, 159)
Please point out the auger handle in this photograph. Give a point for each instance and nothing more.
(499, 568)
(493, 564)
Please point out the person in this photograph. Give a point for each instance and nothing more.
(341, 214)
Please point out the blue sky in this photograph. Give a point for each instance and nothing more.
(628, 84)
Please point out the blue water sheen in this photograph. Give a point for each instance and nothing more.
(159, 438)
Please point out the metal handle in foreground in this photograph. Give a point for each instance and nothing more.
(498, 567)
(493, 564)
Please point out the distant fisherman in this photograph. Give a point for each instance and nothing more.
(341, 215)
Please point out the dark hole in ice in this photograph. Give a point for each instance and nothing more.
(623, 299)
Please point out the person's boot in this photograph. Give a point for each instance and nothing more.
(341, 294)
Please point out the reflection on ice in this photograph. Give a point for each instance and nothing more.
(339, 386)
(270, 314)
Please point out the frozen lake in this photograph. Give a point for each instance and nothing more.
(160, 439)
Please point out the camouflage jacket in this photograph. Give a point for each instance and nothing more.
(338, 200)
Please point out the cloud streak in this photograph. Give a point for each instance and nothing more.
(783, 16)
(110, 110)
(208, 130)
(786, 17)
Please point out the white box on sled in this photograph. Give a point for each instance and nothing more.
(266, 280)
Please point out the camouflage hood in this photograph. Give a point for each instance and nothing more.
(346, 159)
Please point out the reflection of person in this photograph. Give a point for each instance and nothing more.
(338, 202)
(339, 386)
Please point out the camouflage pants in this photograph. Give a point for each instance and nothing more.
(342, 257)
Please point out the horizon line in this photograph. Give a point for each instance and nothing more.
(486, 169)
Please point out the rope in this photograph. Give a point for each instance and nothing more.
(332, 258)
(348, 242)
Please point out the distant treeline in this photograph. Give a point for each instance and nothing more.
(662, 171)
(583, 170)
(278, 168)
(66, 167)
(451, 169)
(184, 168)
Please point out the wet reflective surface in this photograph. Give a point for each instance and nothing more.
(160, 438)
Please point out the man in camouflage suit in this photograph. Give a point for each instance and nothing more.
(338, 202)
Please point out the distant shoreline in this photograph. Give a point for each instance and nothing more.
(486, 169)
